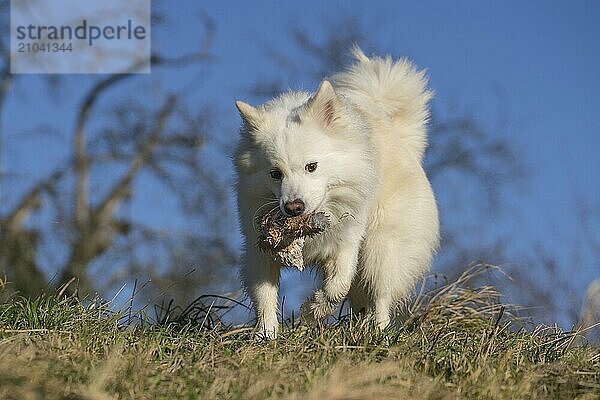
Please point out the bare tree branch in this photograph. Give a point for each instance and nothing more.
(120, 190)
(97, 234)
(30, 201)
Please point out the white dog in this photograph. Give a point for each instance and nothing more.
(353, 150)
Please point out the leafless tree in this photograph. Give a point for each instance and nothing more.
(117, 140)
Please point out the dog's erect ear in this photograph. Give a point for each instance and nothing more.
(251, 115)
(324, 105)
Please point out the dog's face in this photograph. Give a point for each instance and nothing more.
(288, 155)
(298, 167)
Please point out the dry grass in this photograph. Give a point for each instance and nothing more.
(458, 343)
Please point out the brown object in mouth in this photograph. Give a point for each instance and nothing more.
(284, 237)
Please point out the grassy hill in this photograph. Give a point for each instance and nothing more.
(458, 343)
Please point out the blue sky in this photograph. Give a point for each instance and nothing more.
(532, 66)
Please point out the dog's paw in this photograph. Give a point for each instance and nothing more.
(315, 310)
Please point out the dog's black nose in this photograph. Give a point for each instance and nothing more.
(294, 208)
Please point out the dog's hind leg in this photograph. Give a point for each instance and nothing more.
(390, 265)
(362, 304)
(360, 301)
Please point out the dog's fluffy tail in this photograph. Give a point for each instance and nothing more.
(394, 90)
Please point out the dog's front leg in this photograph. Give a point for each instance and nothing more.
(338, 275)
(260, 276)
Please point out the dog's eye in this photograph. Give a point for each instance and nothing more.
(311, 167)
(276, 174)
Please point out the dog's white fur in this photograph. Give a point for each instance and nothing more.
(367, 132)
